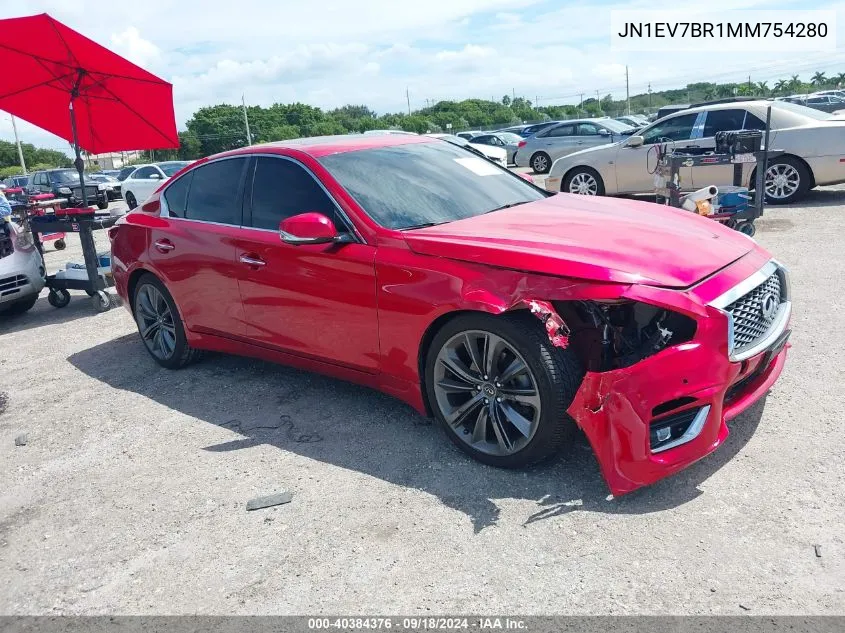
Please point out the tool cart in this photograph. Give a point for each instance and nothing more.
(83, 222)
(737, 208)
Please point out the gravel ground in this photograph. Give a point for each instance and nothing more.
(129, 495)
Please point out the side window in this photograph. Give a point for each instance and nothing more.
(39, 179)
(753, 123)
(214, 194)
(561, 130)
(723, 121)
(484, 140)
(143, 173)
(281, 189)
(677, 128)
(587, 129)
(817, 100)
(176, 195)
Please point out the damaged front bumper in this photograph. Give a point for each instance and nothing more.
(660, 415)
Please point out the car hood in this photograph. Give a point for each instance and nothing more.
(595, 238)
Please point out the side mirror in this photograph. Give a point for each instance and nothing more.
(634, 141)
(310, 228)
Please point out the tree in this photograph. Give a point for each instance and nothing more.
(818, 79)
(781, 85)
(840, 79)
(794, 83)
(763, 88)
(506, 100)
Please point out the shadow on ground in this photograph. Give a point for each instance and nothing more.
(359, 429)
(43, 314)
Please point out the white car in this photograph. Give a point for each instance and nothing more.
(142, 182)
(498, 155)
(21, 269)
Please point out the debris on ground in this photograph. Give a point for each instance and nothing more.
(818, 549)
(276, 499)
(21, 439)
(744, 608)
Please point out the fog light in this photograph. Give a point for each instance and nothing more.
(678, 428)
(664, 434)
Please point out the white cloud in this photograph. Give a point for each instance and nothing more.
(135, 48)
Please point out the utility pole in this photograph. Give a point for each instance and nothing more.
(581, 103)
(627, 93)
(513, 95)
(649, 95)
(749, 84)
(18, 143)
(408, 99)
(246, 122)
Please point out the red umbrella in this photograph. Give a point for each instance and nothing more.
(71, 86)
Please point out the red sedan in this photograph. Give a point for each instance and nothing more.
(509, 314)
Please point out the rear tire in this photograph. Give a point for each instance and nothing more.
(103, 205)
(130, 200)
(787, 180)
(160, 324)
(541, 163)
(551, 377)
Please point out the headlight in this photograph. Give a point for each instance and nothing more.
(65, 190)
(101, 187)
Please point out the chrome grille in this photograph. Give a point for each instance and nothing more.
(750, 323)
(12, 285)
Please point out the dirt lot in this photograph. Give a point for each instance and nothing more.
(129, 496)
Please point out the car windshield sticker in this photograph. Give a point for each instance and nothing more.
(479, 166)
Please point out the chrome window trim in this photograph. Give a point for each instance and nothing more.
(778, 323)
(692, 432)
(341, 213)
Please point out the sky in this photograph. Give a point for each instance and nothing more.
(334, 52)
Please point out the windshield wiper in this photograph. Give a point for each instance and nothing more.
(506, 206)
(420, 226)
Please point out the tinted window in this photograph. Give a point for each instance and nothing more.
(171, 168)
(561, 130)
(484, 140)
(817, 100)
(723, 121)
(424, 183)
(124, 173)
(678, 128)
(753, 123)
(214, 194)
(176, 195)
(144, 172)
(587, 129)
(281, 189)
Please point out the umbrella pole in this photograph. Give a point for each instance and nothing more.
(78, 163)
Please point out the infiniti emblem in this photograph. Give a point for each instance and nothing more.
(769, 306)
(489, 390)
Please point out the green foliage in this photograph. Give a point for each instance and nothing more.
(32, 155)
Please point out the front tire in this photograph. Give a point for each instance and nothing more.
(19, 307)
(583, 181)
(500, 389)
(541, 163)
(160, 325)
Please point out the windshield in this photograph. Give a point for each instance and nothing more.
(65, 176)
(171, 168)
(811, 113)
(510, 137)
(616, 126)
(421, 184)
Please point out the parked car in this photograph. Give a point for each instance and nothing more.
(632, 121)
(825, 103)
(124, 172)
(514, 129)
(22, 273)
(64, 183)
(145, 179)
(507, 140)
(832, 93)
(670, 109)
(503, 311)
(16, 182)
(496, 155)
(113, 185)
(813, 143)
(542, 149)
(469, 134)
(378, 132)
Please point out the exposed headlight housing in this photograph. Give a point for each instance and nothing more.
(65, 190)
(23, 241)
(101, 187)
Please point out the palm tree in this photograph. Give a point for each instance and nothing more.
(763, 88)
(794, 83)
(781, 85)
(840, 79)
(818, 79)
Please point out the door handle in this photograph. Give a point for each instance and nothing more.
(164, 246)
(250, 260)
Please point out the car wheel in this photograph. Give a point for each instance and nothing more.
(787, 180)
(130, 200)
(103, 204)
(583, 181)
(19, 307)
(500, 389)
(160, 325)
(541, 163)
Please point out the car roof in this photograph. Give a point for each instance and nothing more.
(318, 146)
(726, 106)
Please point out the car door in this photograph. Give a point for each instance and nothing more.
(192, 246)
(316, 300)
(716, 121)
(556, 141)
(635, 165)
(589, 135)
(39, 182)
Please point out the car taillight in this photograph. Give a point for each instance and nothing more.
(522, 144)
(152, 206)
